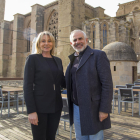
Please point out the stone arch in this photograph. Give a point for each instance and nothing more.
(52, 25)
(104, 34)
(116, 31)
(136, 8)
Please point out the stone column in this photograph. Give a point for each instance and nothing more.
(37, 20)
(18, 45)
(122, 31)
(5, 47)
(112, 35)
(2, 9)
(97, 36)
(71, 14)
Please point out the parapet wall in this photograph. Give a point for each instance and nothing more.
(12, 83)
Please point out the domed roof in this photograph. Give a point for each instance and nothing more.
(119, 51)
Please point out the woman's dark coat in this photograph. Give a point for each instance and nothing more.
(41, 91)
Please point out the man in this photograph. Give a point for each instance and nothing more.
(89, 89)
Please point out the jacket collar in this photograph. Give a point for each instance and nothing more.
(88, 52)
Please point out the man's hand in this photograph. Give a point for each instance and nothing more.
(102, 116)
(33, 118)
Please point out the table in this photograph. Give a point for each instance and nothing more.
(15, 90)
(133, 90)
(64, 96)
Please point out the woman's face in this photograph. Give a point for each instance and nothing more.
(46, 44)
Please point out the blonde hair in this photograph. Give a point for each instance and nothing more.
(38, 40)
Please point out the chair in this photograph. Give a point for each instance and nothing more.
(65, 117)
(4, 99)
(21, 98)
(136, 83)
(136, 93)
(126, 96)
(116, 95)
(138, 80)
(129, 85)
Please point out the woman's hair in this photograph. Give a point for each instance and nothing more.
(38, 40)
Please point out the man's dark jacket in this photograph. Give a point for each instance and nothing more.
(94, 90)
(41, 91)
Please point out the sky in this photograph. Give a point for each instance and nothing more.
(24, 6)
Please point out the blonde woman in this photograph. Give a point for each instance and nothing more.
(43, 79)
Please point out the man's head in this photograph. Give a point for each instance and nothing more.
(78, 40)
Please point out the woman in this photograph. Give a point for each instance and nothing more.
(43, 78)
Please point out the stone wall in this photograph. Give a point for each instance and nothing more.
(123, 73)
(12, 83)
(128, 7)
(2, 9)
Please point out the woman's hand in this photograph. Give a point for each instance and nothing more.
(33, 118)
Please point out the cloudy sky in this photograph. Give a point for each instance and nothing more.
(24, 6)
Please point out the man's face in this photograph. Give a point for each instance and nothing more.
(79, 43)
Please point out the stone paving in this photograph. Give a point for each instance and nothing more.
(124, 126)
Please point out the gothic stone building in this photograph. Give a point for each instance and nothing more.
(60, 18)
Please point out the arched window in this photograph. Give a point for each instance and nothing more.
(116, 32)
(136, 8)
(53, 25)
(132, 45)
(131, 32)
(104, 35)
(94, 36)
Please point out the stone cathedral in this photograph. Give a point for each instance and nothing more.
(60, 18)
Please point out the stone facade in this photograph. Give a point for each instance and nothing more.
(60, 18)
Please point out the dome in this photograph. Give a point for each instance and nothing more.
(119, 51)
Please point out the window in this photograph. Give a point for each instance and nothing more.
(136, 8)
(104, 35)
(94, 36)
(132, 45)
(28, 39)
(116, 32)
(114, 68)
(131, 32)
(53, 25)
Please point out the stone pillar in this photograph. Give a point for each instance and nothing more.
(97, 36)
(37, 20)
(71, 14)
(5, 47)
(122, 31)
(2, 9)
(18, 45)
(112, 35)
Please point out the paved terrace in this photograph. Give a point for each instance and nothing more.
(124, 127)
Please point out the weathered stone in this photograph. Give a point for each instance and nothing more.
(60, 18)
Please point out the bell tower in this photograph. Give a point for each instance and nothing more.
(71, 14)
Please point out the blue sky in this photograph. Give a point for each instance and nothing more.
(24, 6)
